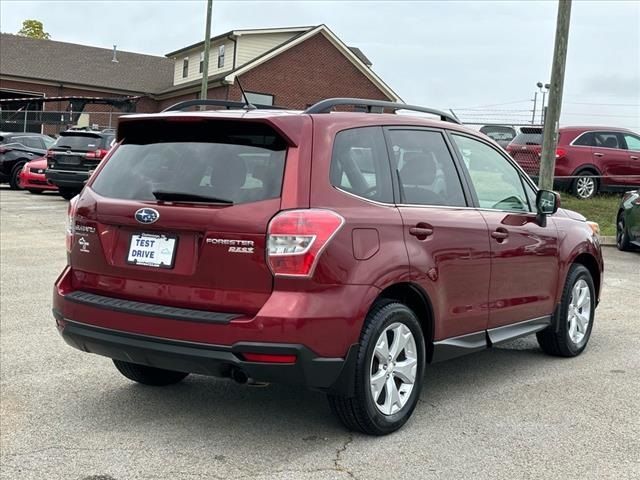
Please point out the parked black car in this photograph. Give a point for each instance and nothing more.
(628, 222)
(74, 156)
(16, 149)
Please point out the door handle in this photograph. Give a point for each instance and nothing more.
(421, 231)
(633, 157)
(598, 154)
(500, 234)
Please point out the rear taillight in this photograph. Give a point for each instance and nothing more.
(4, 150)
(98, 154)
(560, 152)
(296, 239)
(71, 224)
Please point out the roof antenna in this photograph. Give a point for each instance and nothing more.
(247, 104)
(114, 59)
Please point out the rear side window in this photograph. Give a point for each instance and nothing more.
(236, 162)
(360, 164)
(31, 142)
(586, 140)
(79, 142)
(425, 169)
(607, 140)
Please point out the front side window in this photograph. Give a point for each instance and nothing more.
(30, 142)
(633, 142)
(221, 56)
(185, 67)
(497, 183)
(259, 98)
(425, 169)
(359, 164)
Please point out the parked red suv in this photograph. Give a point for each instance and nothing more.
(588, 159)
(343, 251)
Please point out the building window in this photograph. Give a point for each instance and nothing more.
(221, 56)
(185, 67)
(201, 62)
(259, 98)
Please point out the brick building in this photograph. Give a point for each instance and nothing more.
(287, 67)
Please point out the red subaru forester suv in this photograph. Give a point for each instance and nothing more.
(343, 251)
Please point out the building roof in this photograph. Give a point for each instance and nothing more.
(72, 63)
(238, 33)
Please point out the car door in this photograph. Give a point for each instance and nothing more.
(524, 254)
(612, 158)
(447, 242)
(632, 144)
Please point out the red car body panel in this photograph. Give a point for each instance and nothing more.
(615, 166)
(470, 281)
(30, 179)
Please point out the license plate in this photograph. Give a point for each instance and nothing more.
(152, 250)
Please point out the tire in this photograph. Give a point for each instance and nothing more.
(622, 236)
(586, 185)
(35, 191)
(362, 412)
(67, 193)
(14, 180)
(558, 339)
(156, 377)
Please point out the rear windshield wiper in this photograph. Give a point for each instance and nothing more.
(188, 197)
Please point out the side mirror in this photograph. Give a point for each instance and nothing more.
(547, 203)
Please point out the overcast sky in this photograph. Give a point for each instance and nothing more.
(461, 55)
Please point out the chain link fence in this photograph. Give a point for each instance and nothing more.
(54, 122)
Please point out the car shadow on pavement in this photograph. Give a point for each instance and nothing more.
(209, 406)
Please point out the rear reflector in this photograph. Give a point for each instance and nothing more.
(269, 358)
(296, 239)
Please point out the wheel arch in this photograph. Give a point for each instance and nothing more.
(590, 263)
(587, 167)
(414, 297)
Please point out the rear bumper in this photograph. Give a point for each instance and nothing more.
(319, 327)
(67, 178)
(334, 375)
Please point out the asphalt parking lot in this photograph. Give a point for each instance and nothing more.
(506, 413)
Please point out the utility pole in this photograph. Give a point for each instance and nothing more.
(552, 113)
(207, 47)
(535, 100)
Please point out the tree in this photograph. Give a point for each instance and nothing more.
(33, 29)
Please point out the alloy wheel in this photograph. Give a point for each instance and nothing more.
(393, 369)
(579, 311)
(585, 187)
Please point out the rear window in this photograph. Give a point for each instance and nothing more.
(81, 142)
(237, 162)
(528, 138)
(499, 133)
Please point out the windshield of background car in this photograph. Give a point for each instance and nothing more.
(236, 161)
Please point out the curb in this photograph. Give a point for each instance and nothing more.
(608, 240)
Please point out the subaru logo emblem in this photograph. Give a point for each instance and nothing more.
(147, 215)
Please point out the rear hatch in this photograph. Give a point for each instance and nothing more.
(178, 215)
(80, 151)
(525, 149)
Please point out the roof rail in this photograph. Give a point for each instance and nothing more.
(376, 106)
(228, 104)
